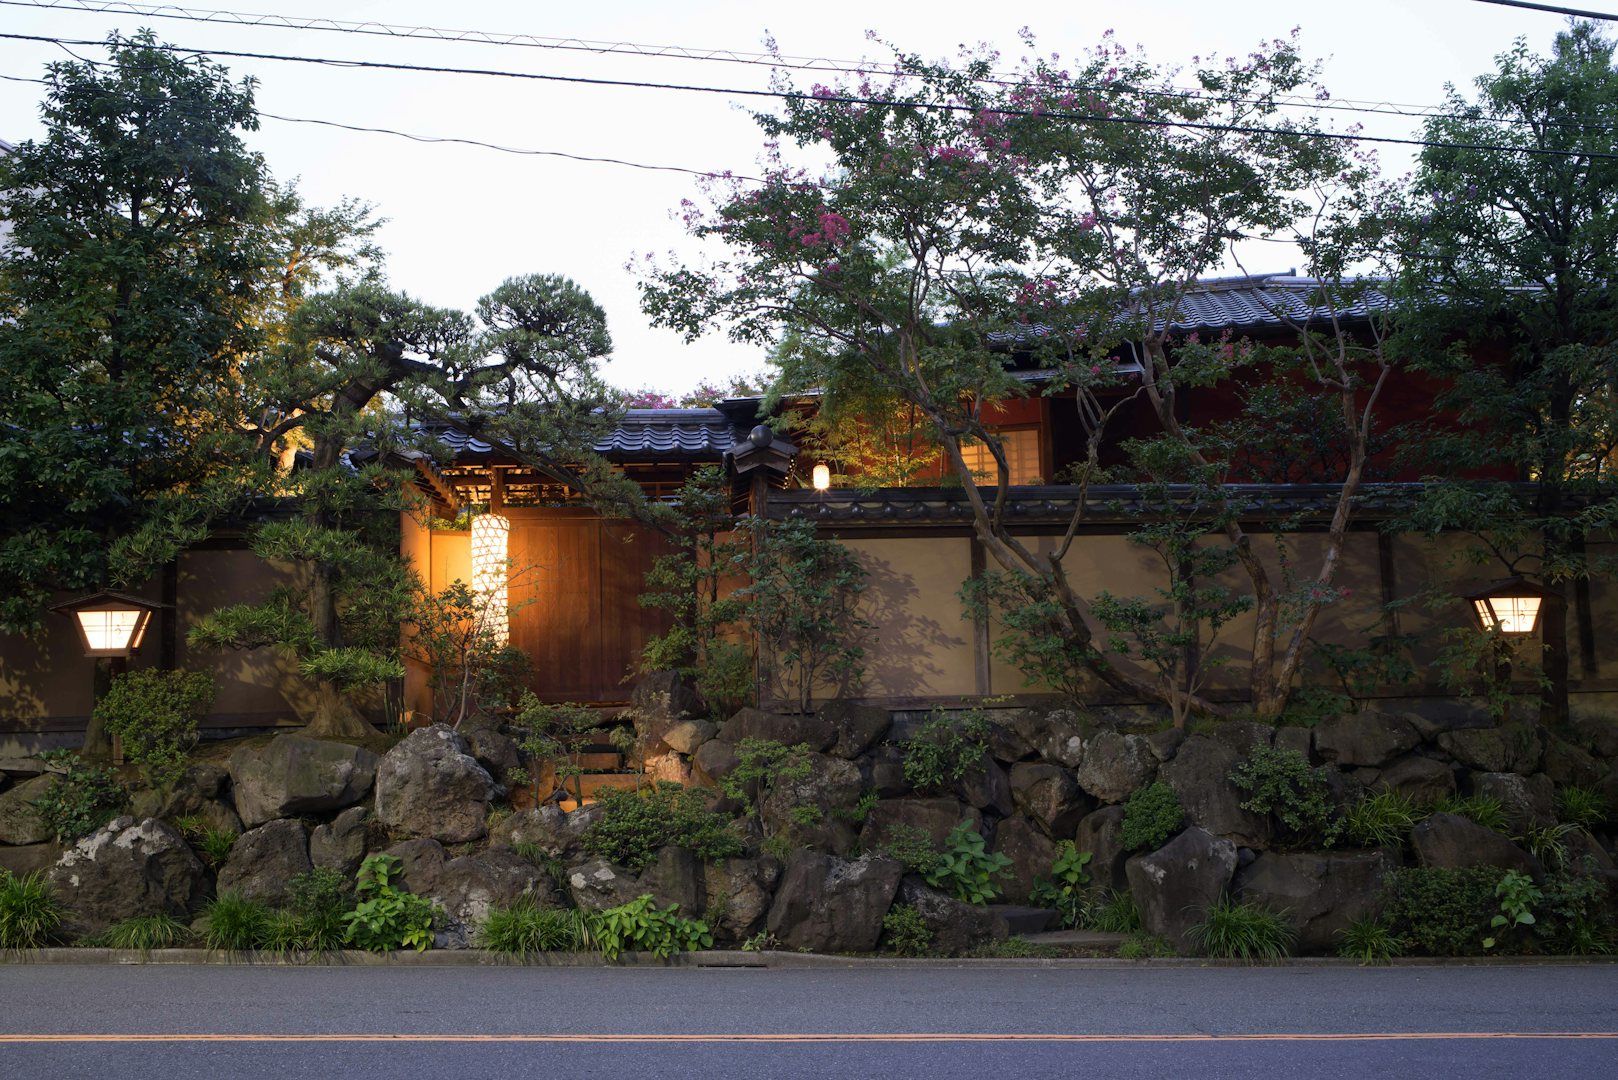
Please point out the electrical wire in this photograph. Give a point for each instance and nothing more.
(826, 98)
(1576, 13)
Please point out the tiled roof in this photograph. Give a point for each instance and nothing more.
(640, 435)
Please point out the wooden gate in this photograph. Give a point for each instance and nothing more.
(574, 600)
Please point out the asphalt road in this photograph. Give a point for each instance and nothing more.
(59, 1022)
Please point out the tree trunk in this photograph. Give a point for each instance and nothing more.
(335, 716)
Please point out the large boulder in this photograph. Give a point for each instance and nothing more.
(1419, 778)
(883, 770)
(739, 892)
(1366, 738)
(198, 793)
(496, 751)
(1568, 765)
(1243, 736)
(428, 785)
(1049, 796)
(984, 786)
(468, 886)
(832, 905)
(557, 833)
(1527, 800)
(1597, 733)
(659, 701)
(128, 868)
(1115, 765)
(957, 927)
(340, 844)
(686, 736)
(1175, 885)
(1054, 732)
(1200, 776)
(789, 730)
(1320, 894)
(1102, 835)
(1006, 742)
(293, 774)
(675, 877)
(806, 807)
(859, 727)
(19, 822)
(1456, 843)
(264, 860)
(1031, 853)
(1516, 748)
(713, 761)
(935, 817)
(29, 858)
(597, 885)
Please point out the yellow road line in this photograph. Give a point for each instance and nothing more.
(895, 1037)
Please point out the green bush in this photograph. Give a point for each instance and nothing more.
(1282, 782)
(1381, 820)
(642, 926)
(386, 918)
(84, 797)
(1578, 916)
(760, 765)
(912, 846)
(943, 750)
(1436, 911)
(1242, 931)
(633, 826)
(144, 932)
(29, 911)
(524, 928)
(1065, 891)
(905, 931)
(1370, 941)
(234, 923)
(965, 869)
(1152, 815)
(156, 714)
(1581, 806)
(317, 901)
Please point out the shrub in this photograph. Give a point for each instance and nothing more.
(1582, 806)
(912, 846)
(965, 869)
(1370, 941)
(145, 932)
(156, 714)
(1578, 919)
(1518, 896)
(760, 765)
(633, 826)
(1115, 913)
(1142, 946)
(235, 923)
(524, 928)
(643, 926)
(1436, 911)
(905, 931)
(1152, 815)
(1381, 820)
(1481, 809)
(943, 750)
(387, 918)
(29, 911)
(84, 797)
(1282, 782)
(317, 901)
(1241, 931)
(1064, 891)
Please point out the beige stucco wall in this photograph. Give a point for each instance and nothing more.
(919, 645)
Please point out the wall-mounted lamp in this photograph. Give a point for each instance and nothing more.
(1513, 605)
(111, 628)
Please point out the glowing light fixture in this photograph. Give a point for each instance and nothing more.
(110, 624)
(1512, 605)
(490, 533)
(822, 477)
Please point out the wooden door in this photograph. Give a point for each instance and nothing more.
(576, 582)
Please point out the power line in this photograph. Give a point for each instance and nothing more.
(677, 52)
(791, 95)
(1555, 10)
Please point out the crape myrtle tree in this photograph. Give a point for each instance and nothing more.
(144, 239)
(1514, 258)
(362, 369)
(1066, 210)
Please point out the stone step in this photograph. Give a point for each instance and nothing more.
(590, 783)
(1021, 919)
(599, 761)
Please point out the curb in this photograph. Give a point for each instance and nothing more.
(721, 959)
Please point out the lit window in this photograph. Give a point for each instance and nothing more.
(1021, 447)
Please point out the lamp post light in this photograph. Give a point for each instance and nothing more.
(111, 628)
(1512, 606)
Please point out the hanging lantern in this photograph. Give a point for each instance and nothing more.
(1512, 606)
(110, 624)
(822, 476)
(490, 534)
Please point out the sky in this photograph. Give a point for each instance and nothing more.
(461, 219)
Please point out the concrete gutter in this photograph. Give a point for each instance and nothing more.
(713, 958)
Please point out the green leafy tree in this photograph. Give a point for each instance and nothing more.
(142, 245)
(1511, 263)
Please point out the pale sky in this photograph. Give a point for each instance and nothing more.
(461, 219)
